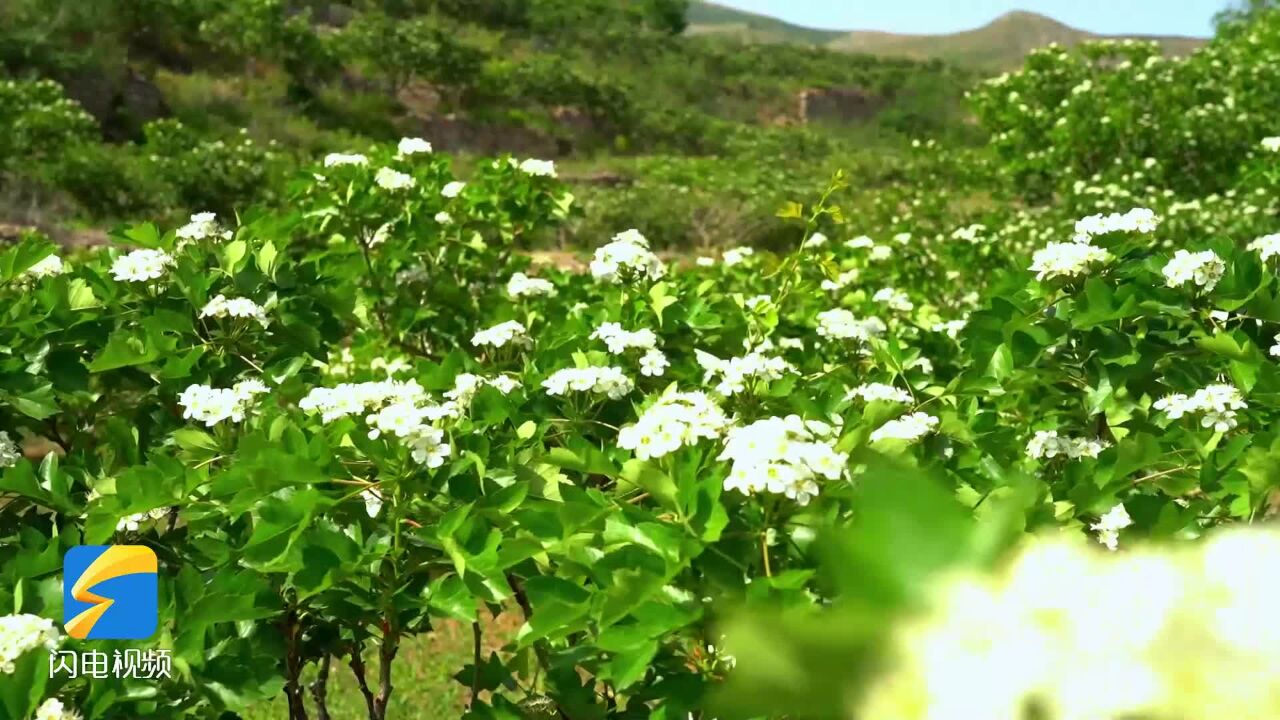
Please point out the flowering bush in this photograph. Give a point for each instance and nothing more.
(346, 421)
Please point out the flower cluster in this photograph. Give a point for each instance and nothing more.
(1110, 524)
(677, 419)
(141, 265)
(880, 392)
(393, 180)
(466, 385)
(1081, 634)
(895, 300)
(783, 456)
(1139, 220)
(211, 405)
(736, 373)
(626, 257)
(1066, 259)
(20, 634)
(610, 381)
(538, 168)
(221, 306)
(356, 398)
(841, 281)
(51, 266)
(502, 334)
(737, 256)
(1267, 246)
(413, 146)
(131, 523)
(908, 427)
(453, 189)
(1204, 268)
(53, 709)
(521, 285)
(1217, 404)
(340, 159)
(619, 341)
(840, 324)
(10, 453)
(1047, 444)
(202, 226)
(411, 424)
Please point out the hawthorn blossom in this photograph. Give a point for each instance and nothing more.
(141, 266)
(782, 456)
(394, 180)
(1267, 246)
(677, 419)
(1203, 268)
(10, 453)
(538, 168)
(211, 405)
(908, 427)
(502, 334)
(609, 381)
(521, 285)
(221, 306)
(626, 257)
(20, 634)
(413, 146)
(1109, 526)
(340, 159)
(1067, 260)
(453, 189)
(840, 324)
(1047, 444)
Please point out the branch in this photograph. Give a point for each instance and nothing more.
(386, 655)
(358, 669)
(293, 669)
(320, 689)
(475, 668)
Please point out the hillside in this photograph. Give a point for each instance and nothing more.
(709, 18)
(998, 45)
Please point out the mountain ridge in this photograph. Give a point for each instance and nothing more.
(998, 45)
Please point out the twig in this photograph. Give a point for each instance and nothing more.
(476, 636)
(358, 669)
(320, 689)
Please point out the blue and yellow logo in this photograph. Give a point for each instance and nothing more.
(110, 592)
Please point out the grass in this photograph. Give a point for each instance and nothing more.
(422, 676)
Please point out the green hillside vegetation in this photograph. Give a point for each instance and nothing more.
(1001, 44)
(705, 17)
(209, 104)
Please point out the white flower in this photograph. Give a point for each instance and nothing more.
(1203, 268)
(131, 523)
(10, 453)
(453, 189)
(972, 234)
(841, 281)
(1066, 260)
(1139, 220)
(393, 180)
(840, 324)
(211, 405)
(879, 392)
(51, 266)
(783, 456)
(676, 420)
(860, 242)
(53, 709)
(902, 238)
(202, 225)
(619, 341)
(413, 146)
(1267, 246)
(428, 447)
(1271, 144)
(352, 399)
(141, 266)
(1109, 526)
(501, 334)
(339, 159)
(736, 374)
(881, 252)
(816, 240)
(951, 327)
(1047, 444)
(372, 501)
(521, 285)
(909, 428)
(1275, 349)
(444, 218)
(610, 381)
(626, 257)
(538, 168)
(220, 306)
(738, 255)
(466, 385)
(895, 300)
(1217, 404)
(654, 363)
(704, 261)
(20, 634)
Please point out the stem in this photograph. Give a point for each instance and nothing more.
(764, 553)
(293, 668)
(358, 669)
(475, 669)
(320, 689)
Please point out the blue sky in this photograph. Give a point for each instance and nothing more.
(1152, 17)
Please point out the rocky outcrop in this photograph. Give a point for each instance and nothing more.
(838, 105)
(121, 104)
